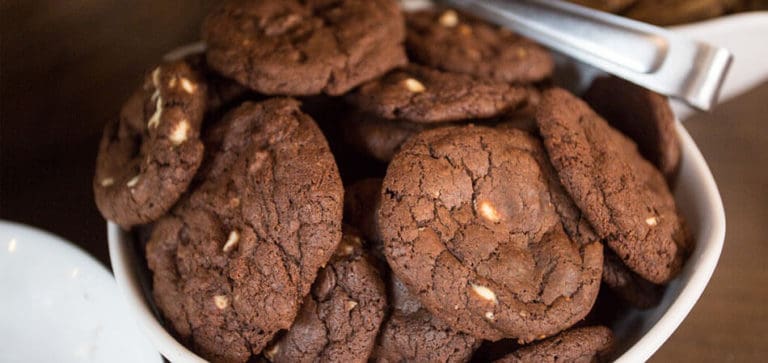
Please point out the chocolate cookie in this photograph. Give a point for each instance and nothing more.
(462, 204)
(149, 155)
(671, 12)
(361, 203)
(575, 345)
(412, 334)
(304, 47)
(622, 195)
(423, 95)
(451, 41)
(377, 137)
(340, 319)
(233, 262)
(641, 114)
(626, 284)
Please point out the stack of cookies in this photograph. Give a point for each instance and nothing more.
(342, 181)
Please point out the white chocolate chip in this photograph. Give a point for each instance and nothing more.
(172, 83)
(449, 19)
(484, 293)
(489, 315)
(154, 121)
(271, 352)
(156, 77)
(221, 301)
(234, 202)
(232, 240)
(132, 182)
(188, 86)
(414, 85)
(347, 249)
(179, 133)
(107, 182)
(488, 212)
(351, 304)
(465, 29)
(523, 313)
(652, 221)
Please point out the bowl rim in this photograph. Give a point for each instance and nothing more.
(125, 267)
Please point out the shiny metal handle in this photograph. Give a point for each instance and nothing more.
(647, 55)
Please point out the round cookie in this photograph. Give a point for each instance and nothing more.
(623, 196)
(626, 284)
(462, 204)
(148, 156)
(576, 345)
(423, 95)
(412, 334)
(642, 115)
(234, 260)
(455, 42)
(377, 137)
(673, 12)
(340, 319)
(361, 203)
(304, 47)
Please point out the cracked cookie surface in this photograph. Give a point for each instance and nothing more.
(460, 205)
(452, 41)
(622, 195)
(304, 47)
(234, 260)
(340, 319)
(422, 95)
(148, 156)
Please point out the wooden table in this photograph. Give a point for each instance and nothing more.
(67, 66)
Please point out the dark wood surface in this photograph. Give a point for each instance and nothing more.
(66, 66)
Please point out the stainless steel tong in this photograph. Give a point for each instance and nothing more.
(644, 54)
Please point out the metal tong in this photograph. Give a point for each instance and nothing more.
(644, 54)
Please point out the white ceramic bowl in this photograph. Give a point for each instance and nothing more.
(639, 333)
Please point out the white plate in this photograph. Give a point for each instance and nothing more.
(61, 305)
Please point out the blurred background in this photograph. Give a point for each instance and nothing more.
(67, 66)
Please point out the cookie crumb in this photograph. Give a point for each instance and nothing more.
(179, 133)
(107, 182)
(652, 221)
(221, 301)
(232, 240)
(187, 86)
(132, 182)
(414, 85)
(488, 212)
(449, 19)
(485, 293)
